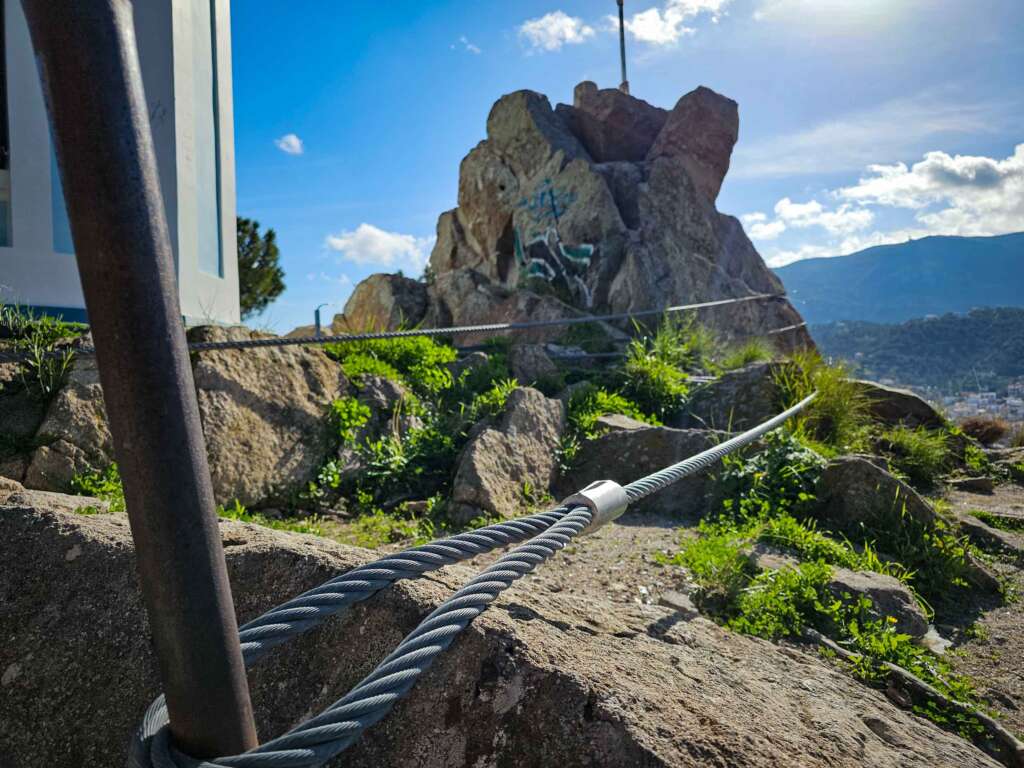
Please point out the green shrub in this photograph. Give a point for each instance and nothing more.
(348, 415)
(588, 404)
(652, 373)
(781, 603)
(46, 365)
(837, 420)
(491, 402)
(921, 455)
(105, 485)
(1002, 522)
(418, 361)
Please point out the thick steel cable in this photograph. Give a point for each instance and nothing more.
(317, 740)
(653, 483)
(284, 341)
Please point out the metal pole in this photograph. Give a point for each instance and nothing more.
(316, 320)
(622, 47)
(89, 67)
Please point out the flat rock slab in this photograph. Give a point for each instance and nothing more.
(538, 680)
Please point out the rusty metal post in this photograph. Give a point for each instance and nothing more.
(90, 71)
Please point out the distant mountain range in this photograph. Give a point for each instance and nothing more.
(893, 283)
(982, 350)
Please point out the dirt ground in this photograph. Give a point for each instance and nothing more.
(994, 656)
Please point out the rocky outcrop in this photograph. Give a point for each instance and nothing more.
(74, 437)
(736, 400)
(899, 406)
(853, 494)
(264, 415)
(603, 206)
(530, 363)
(629, 452)
(500, 458)
(540, 679)
(385, 303)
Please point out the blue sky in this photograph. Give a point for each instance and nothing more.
(861, 121)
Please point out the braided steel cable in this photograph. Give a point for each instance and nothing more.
(284, 341)
(645, 486)
(317, 740)
(484, 328)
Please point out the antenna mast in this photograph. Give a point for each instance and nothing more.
(622, 47)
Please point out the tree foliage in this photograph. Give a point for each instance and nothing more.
(260, 278)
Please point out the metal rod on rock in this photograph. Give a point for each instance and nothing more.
(89, 66)
(624, 87)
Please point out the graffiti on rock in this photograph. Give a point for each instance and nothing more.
(541, 253)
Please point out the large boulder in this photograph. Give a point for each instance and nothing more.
(540, 679)
(700, 133)
(628, 452)
(74, 437)
(736, 400)
(853, 493)
(264, 414)
(384, 303)
(606, 206)
(496, 463)
(893, 406)
(530, 363)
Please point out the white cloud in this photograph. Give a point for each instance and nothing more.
(952, 194)
(551, 31)
(948, 195)
(836, 17)
(844, 220)
(665, 25)
(290, 144)
(468, 46)
(888, 131)
(367, 244)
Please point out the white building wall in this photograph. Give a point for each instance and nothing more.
(178, 77)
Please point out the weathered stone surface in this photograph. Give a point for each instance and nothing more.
(981, 485)
(385, 303)
(990, 539)
(853, 492)
(530, 363)
(617, 422)
(55, 502)
(899, 406)
(74, 436)
(629, 229)
(700, 133)
(889, 596)
(612, 125)
(496, 462)
(625, 455)
(264, 415)
(471, 362)
(537, 680)
(736, 400)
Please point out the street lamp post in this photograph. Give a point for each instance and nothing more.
(316, 316)
(622, 47)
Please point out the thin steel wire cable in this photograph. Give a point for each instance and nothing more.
(317, 740)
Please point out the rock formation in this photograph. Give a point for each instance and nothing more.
(604, 206)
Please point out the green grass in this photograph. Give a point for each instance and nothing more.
(1002, 522)
(46, 366)
(752, 351)
(418, 361)
(920, 455)
(236, 511)
(837, 420)
(769, 498)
